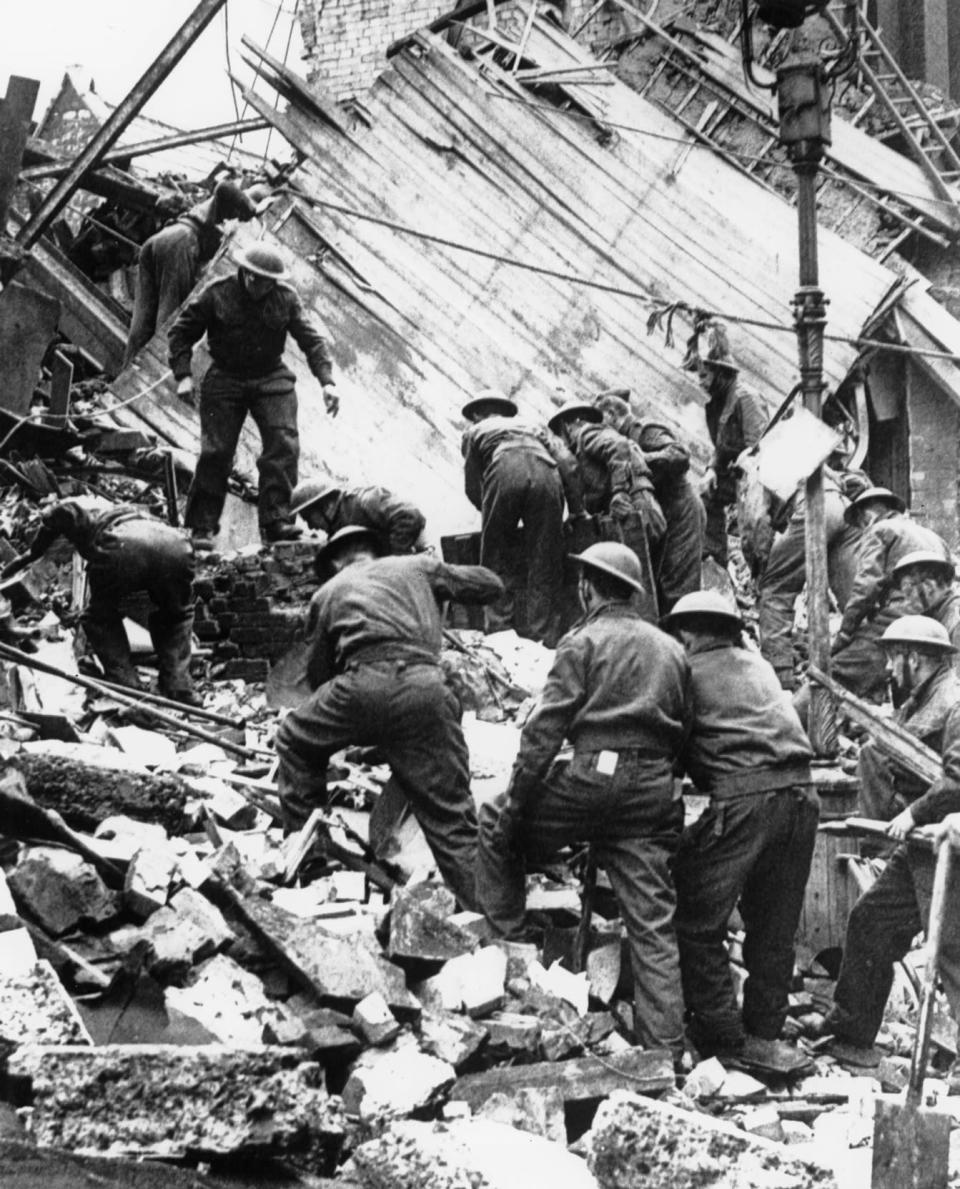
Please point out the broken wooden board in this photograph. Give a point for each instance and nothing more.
(28, 323)
(646, 1070)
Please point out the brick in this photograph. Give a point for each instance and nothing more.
(226, 650)
(249, 606)
(207, 630)
(226, 620)
(247, 670)
(203, 589)
(223, 583)
(249, 635)
(220, 604)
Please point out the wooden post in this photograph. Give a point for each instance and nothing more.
(60, 381)
(16, 112)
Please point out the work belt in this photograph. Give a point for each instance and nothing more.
(379, 653)
(759, 780)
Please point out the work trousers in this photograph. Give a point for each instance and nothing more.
(880, 797)
(166, 273)
(715, 506)
(677, 559)
(133, 556)
(752, 851)
(880, 931)
(633, 823)
(225, 401)
(523, 516)
(408, 711)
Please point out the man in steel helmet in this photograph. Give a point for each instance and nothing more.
(884, 921)
(327, 507)
(751, 848)
(246, 318)
(619, 692)
(925, 581)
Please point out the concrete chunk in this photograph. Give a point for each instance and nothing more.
(539, 1112)
(148, 879)
(59, 890)
(473, 983)
(184, 933)
(420, 925)
(513, 1034)
(452, 1038)
(35, 1009)
(375, 1020)
(228, 1001)
(386, 1083)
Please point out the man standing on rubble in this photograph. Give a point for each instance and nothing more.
(735, 421)
(677, 562)
(171, 259)
(516, 473)
(885, 919)
(374, 638)
(328, 508)
(127, 551)
(246, 318)
(619, 692)
(752, 846)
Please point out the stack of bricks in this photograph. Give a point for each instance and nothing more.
(251, 607)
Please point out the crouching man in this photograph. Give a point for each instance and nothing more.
(374, 661)
(619, 692)
(751, 848)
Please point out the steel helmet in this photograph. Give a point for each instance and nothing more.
(881, 494)
(918, 631)
(716, 342)
(347, 536)
(310, 491)
(925, 557)
(575, 410)
(489, 401)
(614, 559)
(703, 602)
(263, 260)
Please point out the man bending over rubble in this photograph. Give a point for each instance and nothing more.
(619, 691)
(374, 661)
(328, 508)
(885, 920)
(126, 551)
(752, 846)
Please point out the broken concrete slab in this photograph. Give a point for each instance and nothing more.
(228, 1001)
(185, 932)
(420, 926)
(578, 1081)
(473, 983)
(148, 879)
(636, 1140)
(375, 1021)
(451, 1155)
(452, 1038)
(513, 1035)
(35, 1009)
(59, 890)
(539, 1112)
(168, 1101)
(387, 1083)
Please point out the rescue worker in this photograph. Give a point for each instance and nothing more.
(752, 847)
(735, 421)
(127, 551)
(925, 582)
(517, 474)
(618, 690)
(677, 562)
(374, 637)
(616, 482)
(328, 508)
(783, 574)
(885, 920)
(171, 259)
(246, 318)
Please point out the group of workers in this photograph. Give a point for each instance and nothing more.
(655, 682)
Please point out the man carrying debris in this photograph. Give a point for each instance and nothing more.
(885, 920)
(677, 563)
(616, 480)
(374, 637)
(171, 259)
(925, 582)
(751, 848)
(619, 692)
(246, 318)
(127, 551)
(517, 474)
(328, 508)
(735, 421)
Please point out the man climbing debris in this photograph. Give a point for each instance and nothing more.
(127, 551)
(374, 638)
(328, 508)
(618, 690)
(751, 849)
(246, 318)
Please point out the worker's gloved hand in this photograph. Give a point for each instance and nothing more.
(901, 825)
(330, 400)
(708, 484)
(185, 389)
(620, 506)
(946, 830)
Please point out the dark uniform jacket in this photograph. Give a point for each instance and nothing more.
(932, 713)
(85, 522)
(735, 420)
(947, 612)
(485, 441)
(667, 458)
(882, 545)
(246, 338)
(396, 521)
(610, 465)
(388, 608)
(743, 726)
(617, 683)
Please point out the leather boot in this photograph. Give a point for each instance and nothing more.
(172, 643)
(108, 640)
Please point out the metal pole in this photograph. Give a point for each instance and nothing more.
(113, 128)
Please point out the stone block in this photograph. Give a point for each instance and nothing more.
(473, 983)
(387, 1083)
(513, 1035)
(603, 970)
(539, 1112)
(59, 890)
(188, 930)
(121, 837)
(375, 1021)
(640, 1141)
(420, 926)
(228, 1001)
(147, 881)
(452, 1038)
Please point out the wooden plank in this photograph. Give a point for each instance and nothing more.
(60, 380)
(16, 111)
(28, 323)
(644, 1071)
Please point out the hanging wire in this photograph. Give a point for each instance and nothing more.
(278, 8)
(286, 55)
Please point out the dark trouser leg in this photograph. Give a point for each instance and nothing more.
(170, 587)
(881, 927)
(501, 876)
(771, 904)
(681, 550)
(503, 499)
(782, 580)
(715, 529)
(860, 665)
(922, 866)
(223, 408)
(103, 626)
(143, 321)
(543, 540)
(273, 405)
(878, 797)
